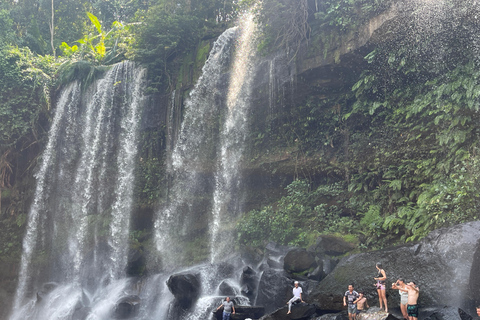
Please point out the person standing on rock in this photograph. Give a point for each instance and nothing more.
(227, 308)
(297, 295)
(478, 311)
(412, 308)
(351, 295)
(381, 290)
(400, 284)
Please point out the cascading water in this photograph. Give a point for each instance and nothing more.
(191, 167)
(227, 197)
(77, 232)
(205, 194)
(76, 244)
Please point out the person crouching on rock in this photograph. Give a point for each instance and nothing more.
(351, 295)
(227, 308)
(297, 295)
(361, 303)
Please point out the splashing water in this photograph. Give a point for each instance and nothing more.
(76, 232)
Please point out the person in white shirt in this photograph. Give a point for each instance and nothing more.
(297, 295)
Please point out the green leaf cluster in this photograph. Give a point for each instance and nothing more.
(297, 218)
(25, 82)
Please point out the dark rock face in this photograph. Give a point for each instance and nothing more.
(249, 281)
(242, 313)
(475, 276)
(301, 311)
(332, 246)
(127, 307)
(333, 316)
(185, 288)
(274, 290)
(46, 289)
(299, 260)
(226, 289)
(317, 274)
(449, 313)
(225, 270)
(441, 265)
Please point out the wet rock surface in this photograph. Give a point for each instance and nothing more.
(185, 288)
(440, 264)
(127, 307)
(242, 313)
(449, 313)
(274, 289)
(301, 311)
(249, 281)
(375, 314)
(299, 260)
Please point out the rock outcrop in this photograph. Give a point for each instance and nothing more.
(301, 311)
(442, 265)
(185, 288)
(127, 307)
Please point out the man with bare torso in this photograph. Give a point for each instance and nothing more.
(412, 307)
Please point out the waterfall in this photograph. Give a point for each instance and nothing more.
(190, 163)
(204, 165)
(78, 224)
(227, 197)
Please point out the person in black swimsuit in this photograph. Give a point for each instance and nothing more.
(381, 290)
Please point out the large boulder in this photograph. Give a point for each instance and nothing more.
(299, 261)
(440, 264)
(331, 245)
(249, 280)
(449, 313)
(127, 307)
(242, 313)
(333, 316)
(225, 288)
(274, 289)
(301, 311)
(375, 314)
(45, 290)
(185, 287)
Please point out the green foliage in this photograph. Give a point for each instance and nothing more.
(401, 137)
(10, 240)
(346, 15)
(150, 171)
(297, 218)
(6, 27)
(161, 37)
(25, 81)
(170, 30)
(284, 23)
(98, 46)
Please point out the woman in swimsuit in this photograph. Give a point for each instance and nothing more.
(400, 284)
(381, 277)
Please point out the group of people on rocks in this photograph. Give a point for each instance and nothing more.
(356, 302)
